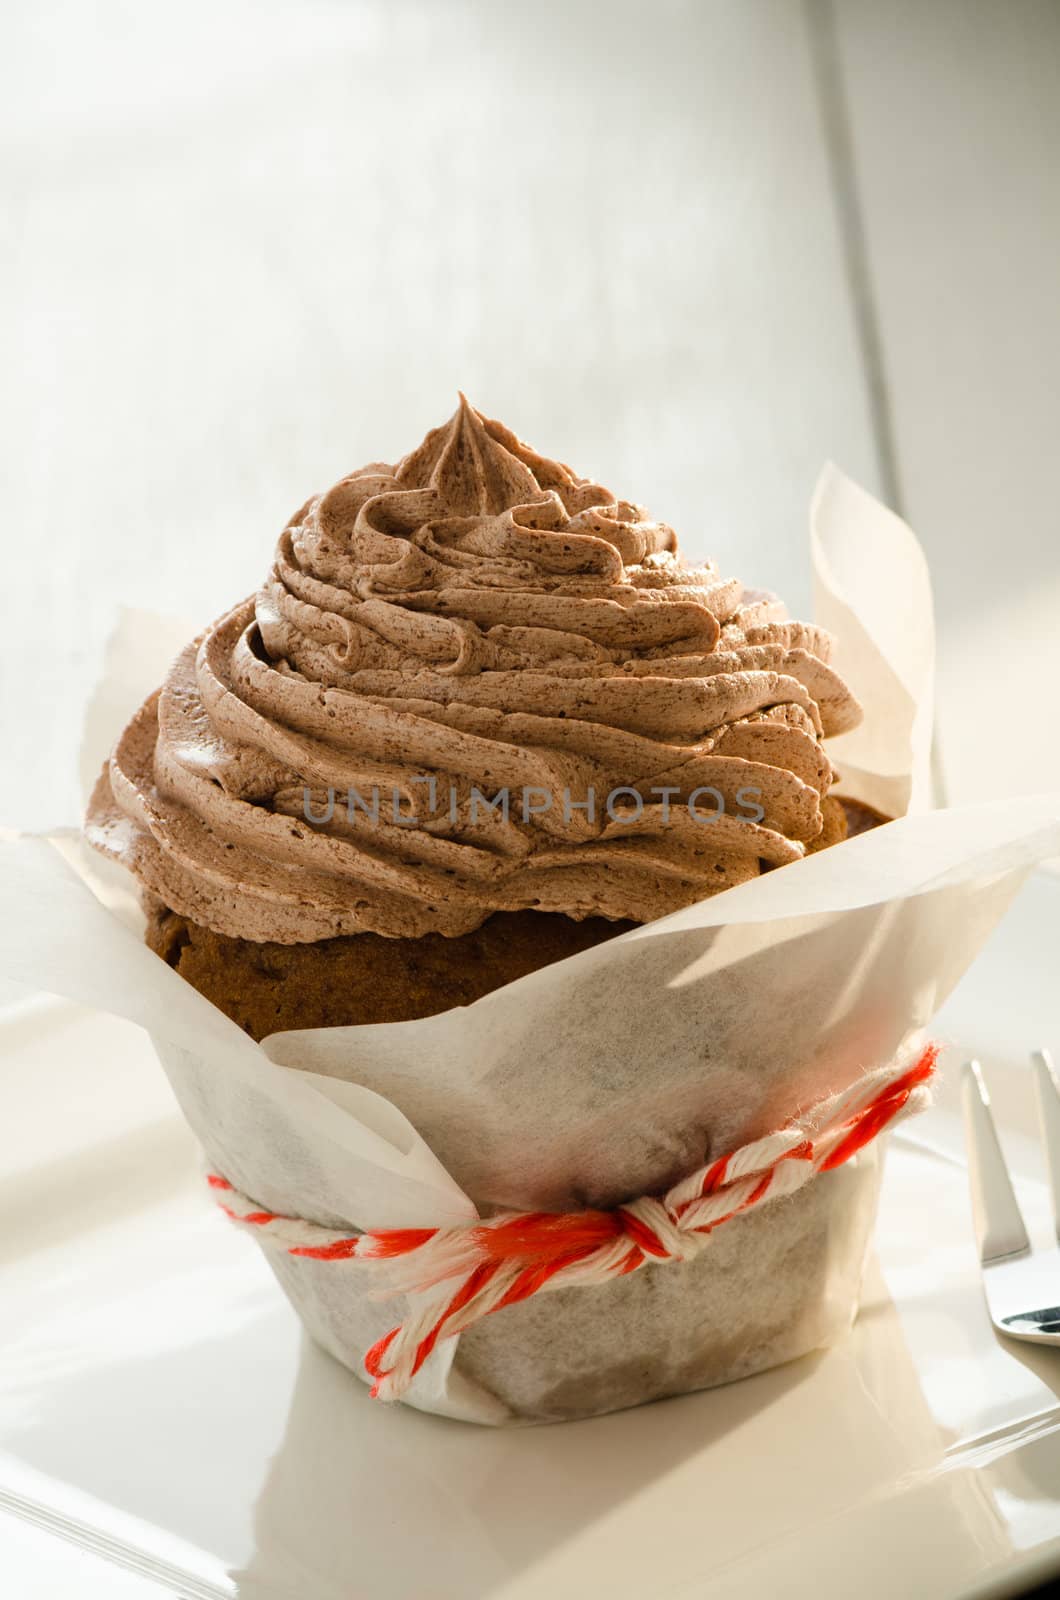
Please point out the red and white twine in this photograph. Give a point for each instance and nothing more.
(461, 1274)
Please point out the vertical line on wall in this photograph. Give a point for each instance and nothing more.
(834, 111)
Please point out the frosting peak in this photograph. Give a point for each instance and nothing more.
(473, 466)
(470, 682)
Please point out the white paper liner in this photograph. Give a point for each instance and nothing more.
(608, 1075)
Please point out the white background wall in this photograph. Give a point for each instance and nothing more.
(955, 116)
(694, 249)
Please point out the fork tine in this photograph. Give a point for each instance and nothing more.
(999, 1228)
(1048, 1087)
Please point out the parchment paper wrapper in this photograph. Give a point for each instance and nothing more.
(606, 1076)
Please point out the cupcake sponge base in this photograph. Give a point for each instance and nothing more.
(364, 978)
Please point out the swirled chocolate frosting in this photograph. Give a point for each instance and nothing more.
(473, 682)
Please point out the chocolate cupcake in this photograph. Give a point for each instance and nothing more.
(480, 716)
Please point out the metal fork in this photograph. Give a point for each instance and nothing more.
(1022, 1284)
